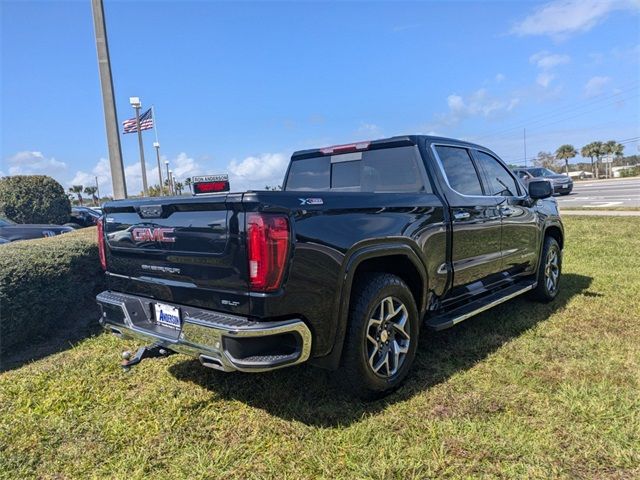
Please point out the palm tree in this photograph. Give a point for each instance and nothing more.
(588, 152)
(91, 191)
(77, 189)
(179, 186)
(566, 152)
(618, 150)
(598, 152)
(188, 182)
(614, 149)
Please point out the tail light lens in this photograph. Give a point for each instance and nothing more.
(101, 247)
(268, 247)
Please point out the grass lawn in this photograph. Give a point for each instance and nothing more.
(616, 208)
(525, 390)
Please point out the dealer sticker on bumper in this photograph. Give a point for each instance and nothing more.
(167, 316)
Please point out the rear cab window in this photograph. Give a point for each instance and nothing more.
(385, 170)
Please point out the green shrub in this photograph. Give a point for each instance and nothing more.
(45, 284)
(33, 199)
(630, 172)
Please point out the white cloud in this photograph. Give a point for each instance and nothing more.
(34, 163)
(500, 77)
(256, 172)
(369, 129)
(595, 85)
(544, 79)
(562, 18)
(479, 103)
(545, 60)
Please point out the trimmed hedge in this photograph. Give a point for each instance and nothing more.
(34, 199)
(45, 284)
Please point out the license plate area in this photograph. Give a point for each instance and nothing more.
(167, 315)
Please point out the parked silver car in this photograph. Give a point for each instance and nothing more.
(562, 184)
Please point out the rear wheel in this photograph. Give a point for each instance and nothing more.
(549, 271)
(382, 336)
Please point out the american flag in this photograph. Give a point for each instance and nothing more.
(146, 123)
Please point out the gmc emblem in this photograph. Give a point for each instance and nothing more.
(153, 235)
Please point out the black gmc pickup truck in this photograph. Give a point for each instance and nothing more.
(366, 244)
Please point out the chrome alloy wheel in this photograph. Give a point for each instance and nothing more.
(388, 337)
(552, 270)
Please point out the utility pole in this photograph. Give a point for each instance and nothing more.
(156, 145)
(109, 102)
(166, 164)
(525, 147)
(136, 104)
(97, 189)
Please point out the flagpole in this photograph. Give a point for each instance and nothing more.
(136, 104)
(156, 145)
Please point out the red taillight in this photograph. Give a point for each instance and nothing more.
(351, 147)
(268, 247)
(101, 248)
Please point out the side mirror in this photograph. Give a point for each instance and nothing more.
(540, 189)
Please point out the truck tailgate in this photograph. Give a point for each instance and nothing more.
(182, 250)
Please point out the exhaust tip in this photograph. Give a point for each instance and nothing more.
(212, 362)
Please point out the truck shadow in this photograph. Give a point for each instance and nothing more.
(311, 396)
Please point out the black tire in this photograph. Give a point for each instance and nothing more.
(565, 193)
(547, 289)
(370, 298)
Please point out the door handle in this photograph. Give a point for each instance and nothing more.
(461, 215)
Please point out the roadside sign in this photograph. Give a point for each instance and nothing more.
(205, 184)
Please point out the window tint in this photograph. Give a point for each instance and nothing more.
(500, 180)
(522, 174)
(309, 174)
(384, 170)
(346, 175)
(461, 173)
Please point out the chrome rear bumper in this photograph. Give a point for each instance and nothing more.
(221, 341)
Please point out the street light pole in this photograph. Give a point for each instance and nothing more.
(172, 186)
(97, 188)
(156, 145)
(166, 164)
(109, 102)
(136, 104)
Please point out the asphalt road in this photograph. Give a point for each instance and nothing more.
(623, 192)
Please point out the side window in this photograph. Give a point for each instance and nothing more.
(500, 180)
(459, 169)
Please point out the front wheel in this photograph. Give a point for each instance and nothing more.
(549, 271)
(382, 336)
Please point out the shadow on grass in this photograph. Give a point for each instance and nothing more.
(309, 395)
(81, 324)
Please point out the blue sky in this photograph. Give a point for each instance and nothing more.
(238, 86)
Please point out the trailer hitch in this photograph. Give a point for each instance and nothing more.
(151, 351)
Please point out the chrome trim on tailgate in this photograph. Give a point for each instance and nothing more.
(203, 332)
